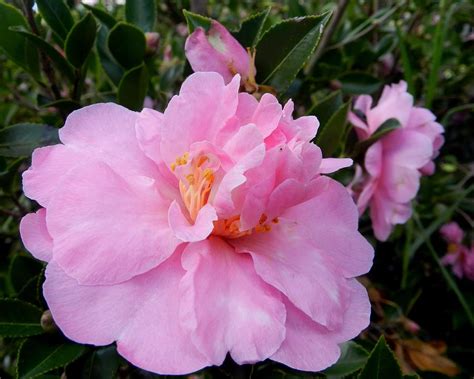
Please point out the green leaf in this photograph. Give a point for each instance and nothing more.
(252, 28)
(132, 88)
(387, 127)
(110, 66)
(39, 355)
(141, 13)
(127, 44)
(103, 363)
(19, 319)
(57, 15)
(67, 105)
(327, 107)
(296, 39)
(16, 46)
(195, 20)
(381, 363)
(330, 135)
(21, 139)
(22, 269)
(58, 60)
(80, 40)
(102, 16)
(353, 357)
(357, 83)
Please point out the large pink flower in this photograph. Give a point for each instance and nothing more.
(204, 230)
(393, 165)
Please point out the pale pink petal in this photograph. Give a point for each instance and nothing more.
(35, 235)
(188, 120)
(309, 346)
(407, 148)
(267, 115)
(217, 50)
(106, 228)
(373, 160)
(226, 307)
(186, 231)
(330, 165)
(452, 232)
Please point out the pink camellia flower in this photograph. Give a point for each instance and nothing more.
(204, 230)
(394, 164)
(218, 51)
(459, 256)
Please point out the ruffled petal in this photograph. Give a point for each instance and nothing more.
(106, 228)
(191, 232)
(35, 235)
(226, 307)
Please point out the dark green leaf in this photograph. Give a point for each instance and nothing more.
(39, 355)
(80, 40)
(102, 364)
(57, 15)
(251, 29)
(296, 39)
(110, 66)
(195, 20)
(141, 13)
(327, 107)
(66, 105)
(102, 16)
(132, 88)
(330, 135)
(21, 139)
(357, 83)
(16, 46)
(58, 60)
(22, 270)
(387, 127)
(353, 357)
(381, 363)
(19, 319)
(127, 44)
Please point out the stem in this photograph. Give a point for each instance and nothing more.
(326, 37)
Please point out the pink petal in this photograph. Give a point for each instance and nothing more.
(106, 228)
(218, 51)
(452, 232)
(226, 307)
(311, 347)
(35, 235)
(191, 232)
(330, 165)
(198, 113)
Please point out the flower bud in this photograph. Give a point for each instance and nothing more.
(47, 322)
(152, 43)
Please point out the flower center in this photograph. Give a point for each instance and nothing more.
(195, 189)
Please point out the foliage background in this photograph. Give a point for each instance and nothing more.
(428, 43)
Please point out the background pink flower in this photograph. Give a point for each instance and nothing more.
(204, 230)
(394, 164)
(458, 256)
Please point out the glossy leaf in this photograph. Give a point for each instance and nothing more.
(16, 46)
(357, 83)
(132, 88)
(127, 44)
(327, 107)
(39, 355)
(296, 39)
(22, 269)
(21, 139)
(330, 135)
(65, 105)
(387, 127)
(252, 28)
(80, 40)
(57, 15)
(353, 357)
(19, 319)
(113, 70)
(195, 20)
(381, 363)
(102, 16)
(103, 363)
(141, 13)
(56, 57)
